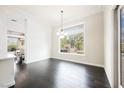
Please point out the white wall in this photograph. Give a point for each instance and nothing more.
(3, 39)
(38, 45)
(38, 40)
(38, 35)
(6, 65)
(17, 26)
(109, 43)
(94, 42)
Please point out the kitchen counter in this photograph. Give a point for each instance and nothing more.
(7, 71)
(9, 56)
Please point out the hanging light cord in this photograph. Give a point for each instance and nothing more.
(61, 20)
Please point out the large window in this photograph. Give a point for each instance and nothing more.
(73, 41)
(15, 41)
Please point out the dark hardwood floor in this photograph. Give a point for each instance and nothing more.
(54, 73)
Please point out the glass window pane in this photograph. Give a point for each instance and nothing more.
(73, 41)
(122, 47)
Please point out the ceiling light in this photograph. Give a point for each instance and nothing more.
(61, 33)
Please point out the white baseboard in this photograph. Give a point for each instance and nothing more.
(11, 83)
(75, 61)
(36, 60)
(81, 62)
(120, 86)
(108, 78)
(8, 84)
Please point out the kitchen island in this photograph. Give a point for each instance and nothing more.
(7, 71)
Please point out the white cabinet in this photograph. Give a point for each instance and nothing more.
(7, 71)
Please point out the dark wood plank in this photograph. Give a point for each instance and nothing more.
(54, 73)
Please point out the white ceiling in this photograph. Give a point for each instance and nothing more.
(51, 14)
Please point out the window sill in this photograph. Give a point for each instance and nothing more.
(72, 54)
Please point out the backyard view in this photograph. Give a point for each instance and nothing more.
(16, 45)
(73, 42)
(15, 41)
(12, 43)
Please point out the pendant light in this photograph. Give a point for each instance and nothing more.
(61, 33)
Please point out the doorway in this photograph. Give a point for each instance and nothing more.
(16, 45)
(16, 39)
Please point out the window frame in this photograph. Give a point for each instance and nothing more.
(68, 26)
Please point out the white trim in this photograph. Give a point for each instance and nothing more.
(25, 40)
(115, 47)
(68, 26)
(71, 25)
(112, 50)
(7, 85)
(15, 36)
(11, 83)
(74, 61)
(119, 46)
(81, 62)
(33, 61)
(71, 54)
(109, 79)
(120, 86)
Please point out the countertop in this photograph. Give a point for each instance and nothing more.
(9, 56)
